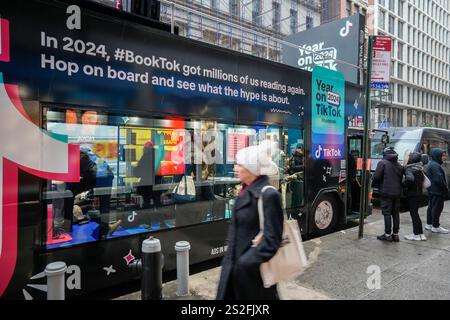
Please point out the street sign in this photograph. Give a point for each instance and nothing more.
(381, 62)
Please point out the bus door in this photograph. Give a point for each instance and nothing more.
(354, 173)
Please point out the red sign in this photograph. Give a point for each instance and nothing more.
(381, 62)
(236, 142)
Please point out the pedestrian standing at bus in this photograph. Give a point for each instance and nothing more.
(437, 191)
(388, 178)
(414, 178)
(240, 278)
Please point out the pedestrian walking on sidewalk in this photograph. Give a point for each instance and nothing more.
(388, 178)
(437, 191)
(414, 178)
(240, 278)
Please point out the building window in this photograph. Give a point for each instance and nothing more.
(256, 13)
(400, 51)
(234, 8)
(276, 16)
(400, 71)
(400, 93)
(391, 24)
(400, 30)
(294, 21)
(309, 22)
(391, 5)
(381, 18)
(400, 7)
(348, 8)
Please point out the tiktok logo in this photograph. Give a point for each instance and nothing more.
(29, 148)
(346, 30)
(318, 152)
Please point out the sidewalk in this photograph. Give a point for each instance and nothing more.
(340, 262)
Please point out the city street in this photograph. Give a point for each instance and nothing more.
(343, 267)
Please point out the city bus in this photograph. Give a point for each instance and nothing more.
(115, 129)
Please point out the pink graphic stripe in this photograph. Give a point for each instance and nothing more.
(9, 234)
(74, 167)
(13, 94)
(4, 54)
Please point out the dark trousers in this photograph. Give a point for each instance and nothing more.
(435, 207)
(390, 208)
(413, 203)
(147, 194)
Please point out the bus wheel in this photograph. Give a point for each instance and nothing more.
(325, 215)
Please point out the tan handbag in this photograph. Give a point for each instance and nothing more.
(290, 259)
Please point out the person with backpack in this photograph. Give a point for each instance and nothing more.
(437, 191)
(414, 180)
(388, 178)
(240, 278)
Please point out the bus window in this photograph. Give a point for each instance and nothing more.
(139, 175)
(401, 146)
(294, 161)
(429, 144)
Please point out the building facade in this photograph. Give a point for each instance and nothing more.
(420, 70)
(250, 26)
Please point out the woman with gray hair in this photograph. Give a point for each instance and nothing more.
(240, 278)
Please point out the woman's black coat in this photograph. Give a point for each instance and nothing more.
(240, 278)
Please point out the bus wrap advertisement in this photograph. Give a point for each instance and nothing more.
(328, 114)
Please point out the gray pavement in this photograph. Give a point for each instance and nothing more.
(345, 267)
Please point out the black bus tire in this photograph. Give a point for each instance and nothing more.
(325, 215)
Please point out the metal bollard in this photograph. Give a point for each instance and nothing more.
(152, 264)
(56, 281)
(182, 248)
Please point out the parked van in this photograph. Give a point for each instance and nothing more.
(410, 139)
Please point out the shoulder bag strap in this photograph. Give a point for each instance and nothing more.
(261, 207)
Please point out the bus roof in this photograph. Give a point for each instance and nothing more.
(408, 132)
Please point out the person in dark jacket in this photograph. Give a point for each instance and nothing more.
(240, 278)
(88, 176)
(145, 170)
(413, 182)
(437, 191)
(388, 178)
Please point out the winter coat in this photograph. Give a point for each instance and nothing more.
(240, 266)
(388, 176)
(88, 171)
(414, 175)
(295, 163)
(145, 168)
(436, 174)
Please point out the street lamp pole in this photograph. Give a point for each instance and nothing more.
(365, 148)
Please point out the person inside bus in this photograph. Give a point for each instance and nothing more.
(88, 174)
(145, 170)
(414, 178)
(437, 191)
(240, 278)
(294, 170)
(388, 178)
(295, 163)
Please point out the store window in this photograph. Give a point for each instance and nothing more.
(139, 175)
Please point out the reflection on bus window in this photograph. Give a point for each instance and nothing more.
(293, 159)
(402, 147)
(139, 175)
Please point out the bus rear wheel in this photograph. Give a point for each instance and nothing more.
(325, 215)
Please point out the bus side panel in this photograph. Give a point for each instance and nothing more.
(104, 264)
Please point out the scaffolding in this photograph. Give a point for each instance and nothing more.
(247, 29)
